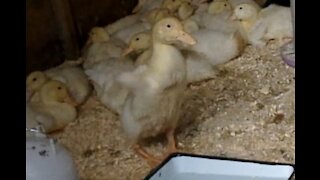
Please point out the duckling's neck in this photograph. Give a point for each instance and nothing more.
(165, 58)
(248, 23)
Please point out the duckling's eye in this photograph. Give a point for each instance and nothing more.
(137, 39)
(59, 88)
(240, 7)
(168, 26)
(225, 5)
(34, 79)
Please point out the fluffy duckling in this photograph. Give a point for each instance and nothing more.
(172, 5)
(55, 109)
(157, 14)
(103, 77)
(272, 22)
(140, 43)
(156, 89)
(34, 82)
(101, 47)
(73, 77)
(216, 46)
(198, 68)
(122, 23)
(125, 34)
(185, 10)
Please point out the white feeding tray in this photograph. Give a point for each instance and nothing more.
(196, 167)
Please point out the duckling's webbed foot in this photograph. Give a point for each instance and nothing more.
(151, 160)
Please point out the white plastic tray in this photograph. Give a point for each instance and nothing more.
(196, 167)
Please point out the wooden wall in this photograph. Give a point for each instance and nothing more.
(57, 29)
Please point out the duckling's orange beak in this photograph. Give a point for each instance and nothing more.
(185, 38)
(70, 100)
(29, 94)
(127, 51)
(233, 17)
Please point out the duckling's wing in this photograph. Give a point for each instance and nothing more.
(134, 80)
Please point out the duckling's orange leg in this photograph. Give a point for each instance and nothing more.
(151, 160)
(172, 148)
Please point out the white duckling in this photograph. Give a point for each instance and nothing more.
(54, 111)
(272, 22)
(216, 46)
(156, 89)
(103, 74)
(122, 23)
(101, 47)
(198, 68)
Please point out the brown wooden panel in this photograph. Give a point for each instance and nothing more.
(89, 13)
(43, 46)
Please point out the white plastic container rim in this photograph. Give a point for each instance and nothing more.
(213, 168)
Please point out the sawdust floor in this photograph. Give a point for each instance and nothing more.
(247, 111)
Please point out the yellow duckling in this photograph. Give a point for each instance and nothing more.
(54, 111)
(198, 68)
(140, 43)
(73, 77)
(156, 89)
(34, 82)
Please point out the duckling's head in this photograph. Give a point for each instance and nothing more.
(244, 12)
(36, 80)
(139, 42)
(98, 34)
(185, 10)
(217, 7)
(157, 14)
(172, 5)
(170, 30)
(56, 91)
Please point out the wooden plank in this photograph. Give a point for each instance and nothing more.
(66, 26)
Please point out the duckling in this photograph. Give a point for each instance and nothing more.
(140, 43)
(172, 5)
(100, 46)
(55, 110)
(272, 22)
(216, 46)
(156, 89)
(185, 10)
(108, 90)
(35, 80)
(156, 14)
(126, 33)
(122, 23)
(198, 68)
(73, 76)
